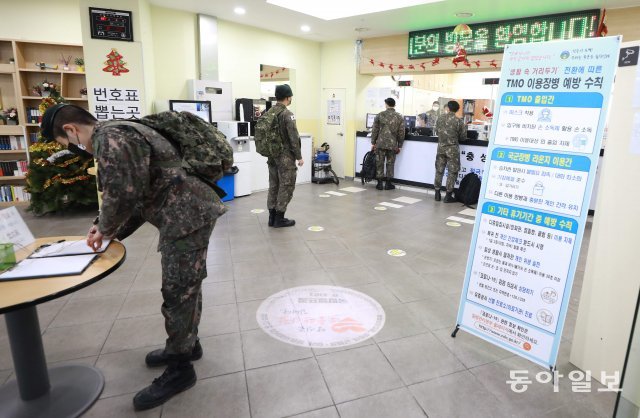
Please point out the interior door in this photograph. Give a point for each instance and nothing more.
(334, 126)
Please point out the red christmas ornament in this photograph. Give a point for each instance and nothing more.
(423, 67)
(493, 64)
(487, 112)
(435, 62)
(114, 64)
(381, 64)
(477, 63)
(461, 55)
(400, 67)
(412, 67)
(372, 61)
(602, 27)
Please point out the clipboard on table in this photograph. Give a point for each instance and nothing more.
(67, 248)
(41, 268)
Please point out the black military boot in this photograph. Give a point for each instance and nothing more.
(438, 195)
(388, 185)
(160, 357)
(178, 376)
(272, 216)
(281, 222)
(379, 186)
(449, 198)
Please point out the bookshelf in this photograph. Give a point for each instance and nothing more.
(16, 81)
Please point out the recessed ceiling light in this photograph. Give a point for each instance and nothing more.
(305, 28)
(239, 10)
(337, 9)
(464, 14)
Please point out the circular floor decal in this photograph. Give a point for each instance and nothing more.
(454, 224)
(320, 316)
(380, 208)
(257, 211)
(324, 195)
(315, 228)
(397, 253)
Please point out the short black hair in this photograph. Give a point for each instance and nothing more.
(390, 102)
(453, 106)
(436, 102)
(70, 114)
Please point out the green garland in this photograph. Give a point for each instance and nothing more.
(59, 183)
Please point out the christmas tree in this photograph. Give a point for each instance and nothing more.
(57, 178)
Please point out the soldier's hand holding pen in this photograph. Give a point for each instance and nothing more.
(94, 238)
(300, 162)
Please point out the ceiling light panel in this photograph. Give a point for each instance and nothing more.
(338, 9)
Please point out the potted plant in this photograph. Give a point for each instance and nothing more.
(46, 89)
(65, 60)
(10, 115)
(83, 93)
(79, 64)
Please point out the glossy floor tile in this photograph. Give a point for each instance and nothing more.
(411, 368)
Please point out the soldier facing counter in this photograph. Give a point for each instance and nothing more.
(142, 178)
(451, 130)
(387, 137)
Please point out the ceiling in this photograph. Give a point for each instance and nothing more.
(266, 16)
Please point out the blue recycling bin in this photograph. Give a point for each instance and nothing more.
(227, 184)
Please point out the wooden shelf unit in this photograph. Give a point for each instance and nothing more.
(16, 90)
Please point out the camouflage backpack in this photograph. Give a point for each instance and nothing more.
(267, 135)
(205, 151)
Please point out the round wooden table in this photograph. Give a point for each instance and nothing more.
(63, 391)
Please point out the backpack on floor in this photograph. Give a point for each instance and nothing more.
(368, 171)
(267, 137)
(469, 190)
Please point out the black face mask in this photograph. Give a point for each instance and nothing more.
(79, 150)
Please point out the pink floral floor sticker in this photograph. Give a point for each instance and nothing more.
(320, 316)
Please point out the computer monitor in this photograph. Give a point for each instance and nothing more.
(201, 108)
(410, 123)
(370, 118)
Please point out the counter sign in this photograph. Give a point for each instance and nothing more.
(114, 25)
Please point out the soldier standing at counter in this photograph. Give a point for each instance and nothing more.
(387, 137)
(451, 130)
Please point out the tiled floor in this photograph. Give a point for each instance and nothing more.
(412, 368)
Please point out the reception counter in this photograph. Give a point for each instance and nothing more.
(415, 165)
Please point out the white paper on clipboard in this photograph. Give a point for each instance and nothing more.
(49, 267)
(65, 248)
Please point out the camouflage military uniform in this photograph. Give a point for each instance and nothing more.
(141, 182)
(387, 135)
(432, 118)
(450, 130)
(282, 169)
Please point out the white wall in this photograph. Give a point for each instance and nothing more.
(41, 20)
(611, 279)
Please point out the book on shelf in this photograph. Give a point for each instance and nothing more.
(14, 194)
(33, 115)
(12, 143)
(13, 168)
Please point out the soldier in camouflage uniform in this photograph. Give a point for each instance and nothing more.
(387, 137)
(141, 179)
(282, 168)
(451, 130)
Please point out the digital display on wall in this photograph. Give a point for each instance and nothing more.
(114, 25)
(491, 37)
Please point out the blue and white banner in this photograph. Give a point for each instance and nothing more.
(539, 175)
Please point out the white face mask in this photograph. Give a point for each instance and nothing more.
(435, 108)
